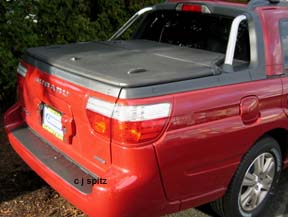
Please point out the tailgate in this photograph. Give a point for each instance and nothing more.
(56, 110)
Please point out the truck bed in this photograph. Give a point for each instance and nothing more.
(133, 63)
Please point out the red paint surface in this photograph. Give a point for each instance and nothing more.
(190, 163)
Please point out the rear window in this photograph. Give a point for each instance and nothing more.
(195, 30)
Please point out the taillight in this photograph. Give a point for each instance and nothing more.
(99, 114)
(129, 124)
(193, 8)
(99, 123)
(21, 74)
(20, 83)
(141, 123)
(21, 70)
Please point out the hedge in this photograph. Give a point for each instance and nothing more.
(30, 23)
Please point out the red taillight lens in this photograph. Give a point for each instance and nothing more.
(197, 8)
(137, 132)
(139, 123)
(129, 124)
(20, 81)
(192, 8)
(99, 115)
(99, 123)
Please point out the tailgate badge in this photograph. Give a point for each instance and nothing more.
(52, 87)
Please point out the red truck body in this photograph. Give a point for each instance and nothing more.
(189, 162)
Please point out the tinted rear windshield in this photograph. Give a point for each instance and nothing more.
(195, 30)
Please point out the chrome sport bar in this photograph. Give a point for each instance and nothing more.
(230, 52)
(130, 22)
(233, 39)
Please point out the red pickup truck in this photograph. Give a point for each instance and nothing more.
(191, 108)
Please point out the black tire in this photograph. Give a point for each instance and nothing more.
(240, 199)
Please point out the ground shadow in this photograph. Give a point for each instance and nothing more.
(207, 210)
(16, 177)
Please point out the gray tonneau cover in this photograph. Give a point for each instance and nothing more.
(132, 63)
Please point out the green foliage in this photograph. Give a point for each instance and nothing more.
(63, 22)
(30, 23)
(16, 33)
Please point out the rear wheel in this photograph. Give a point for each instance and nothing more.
(254, 182)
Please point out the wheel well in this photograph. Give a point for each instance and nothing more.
(281, 136)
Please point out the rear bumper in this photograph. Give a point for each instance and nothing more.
(124, 194)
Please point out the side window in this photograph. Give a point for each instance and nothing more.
(284, 39)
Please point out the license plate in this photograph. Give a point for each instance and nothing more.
(52, 122)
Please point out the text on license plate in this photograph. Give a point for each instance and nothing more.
(52, 122)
